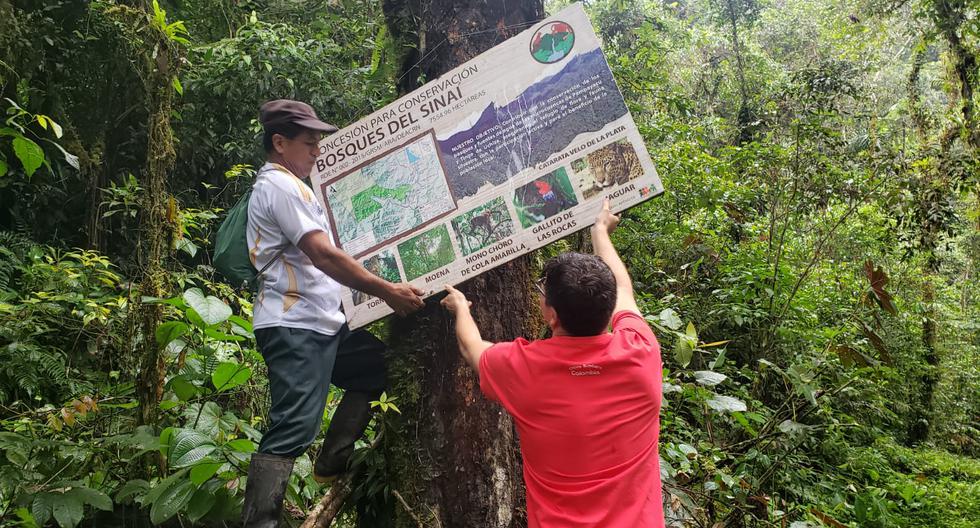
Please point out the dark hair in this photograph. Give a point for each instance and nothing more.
(289, 130)
(582, 290)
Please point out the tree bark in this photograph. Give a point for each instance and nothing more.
(950, 18)
(919, 424)
(156, 225)
(452, 454)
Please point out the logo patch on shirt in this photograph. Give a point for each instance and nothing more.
(585, 369)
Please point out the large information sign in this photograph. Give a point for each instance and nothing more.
(504, 154)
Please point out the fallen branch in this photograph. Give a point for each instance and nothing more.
(407, 507)
(323, 514)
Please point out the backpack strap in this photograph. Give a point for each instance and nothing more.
(261, 273)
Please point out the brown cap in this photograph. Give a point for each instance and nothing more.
(286, 111)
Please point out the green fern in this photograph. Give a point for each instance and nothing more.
(13, 248)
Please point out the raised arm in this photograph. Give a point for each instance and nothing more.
(471, 343)
(605, 224)
(403, 298)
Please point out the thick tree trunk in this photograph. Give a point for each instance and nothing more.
(453, 455)
(155, 224)
(923, 411)
(950, 18)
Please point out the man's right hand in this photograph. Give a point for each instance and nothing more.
(404, 298)
(606, 221)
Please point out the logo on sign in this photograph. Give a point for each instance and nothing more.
(552, 42)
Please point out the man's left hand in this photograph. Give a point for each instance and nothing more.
(455, 301)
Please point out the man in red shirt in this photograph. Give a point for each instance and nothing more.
(586, 401)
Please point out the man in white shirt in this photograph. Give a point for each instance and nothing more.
(300, 329)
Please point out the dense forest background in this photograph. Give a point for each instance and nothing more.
(811, 271)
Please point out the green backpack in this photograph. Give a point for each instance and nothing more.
(231, 257)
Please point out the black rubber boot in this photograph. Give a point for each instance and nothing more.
(349, 421)
(268, 476)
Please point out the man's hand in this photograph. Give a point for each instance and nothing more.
(471, 344)
(404, 298)
(455, 301)
(606, 221)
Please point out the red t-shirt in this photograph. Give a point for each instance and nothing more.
(588, 414)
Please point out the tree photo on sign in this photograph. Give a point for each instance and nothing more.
(382, 265)
(426, 252)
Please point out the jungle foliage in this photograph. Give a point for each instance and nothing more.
(811, 271)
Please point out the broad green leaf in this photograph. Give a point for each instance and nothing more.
(42, 507)
(709, 378)
(194, 456)
(177, 86)
(163, 486)
(27, 520)
(202, 472)
(67, 509)
(303, 467)
(194, 318)
(175, 347)
(166, 405)
(185, 390)
(726, 404)
(744, 422)
(173, 301)
(683, 351)
(29, 153)
(171, 501)
(190, 447)
(167, 440)
(45, 121)
(143, 439)
(211, 309)
(207, 420)
(132, 489)
(241, 322)
(169, 331)
(230, 375)
(670, 319)
(241, 445)
(58, 132)
(8, 439)
(221, 336)
(692, 332)
(793, 428)
(184, 244)
(201, 503)
(93, 497)
(19, 457)
(3, 168)
(70, 158)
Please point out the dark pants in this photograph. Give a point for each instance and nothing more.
(301, 365)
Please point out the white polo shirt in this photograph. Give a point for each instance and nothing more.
(292, 293)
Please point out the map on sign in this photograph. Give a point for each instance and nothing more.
(392, 195)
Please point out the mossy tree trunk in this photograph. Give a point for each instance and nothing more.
(453, 455)
(157, 220)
